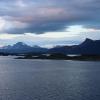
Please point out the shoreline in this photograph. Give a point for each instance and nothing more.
(75, 58)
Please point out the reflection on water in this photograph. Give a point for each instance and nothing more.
(49, 80)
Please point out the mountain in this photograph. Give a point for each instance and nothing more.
(91, 47)
(88, 47)
(21, 47)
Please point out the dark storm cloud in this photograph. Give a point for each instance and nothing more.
(39, 16)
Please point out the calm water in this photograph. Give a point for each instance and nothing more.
(49, 80)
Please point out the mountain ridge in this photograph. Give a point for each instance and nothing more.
(21, 47)
(88, 47)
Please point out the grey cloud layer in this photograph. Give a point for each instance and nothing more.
(39, 16)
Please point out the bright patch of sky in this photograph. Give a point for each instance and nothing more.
(72, 35)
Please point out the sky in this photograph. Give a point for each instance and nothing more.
(49, 22)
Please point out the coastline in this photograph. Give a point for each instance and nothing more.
(63, 57)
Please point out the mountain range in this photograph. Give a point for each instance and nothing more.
(88, 47)
(22, 48)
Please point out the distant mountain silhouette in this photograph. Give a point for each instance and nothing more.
(88, 47)
(21, 47)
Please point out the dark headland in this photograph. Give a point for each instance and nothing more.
(62, 57)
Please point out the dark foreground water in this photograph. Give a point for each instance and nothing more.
(49, 80)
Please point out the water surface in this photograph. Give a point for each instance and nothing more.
(49, 79)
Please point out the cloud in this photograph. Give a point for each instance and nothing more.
(40, 16)
(75, 35)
